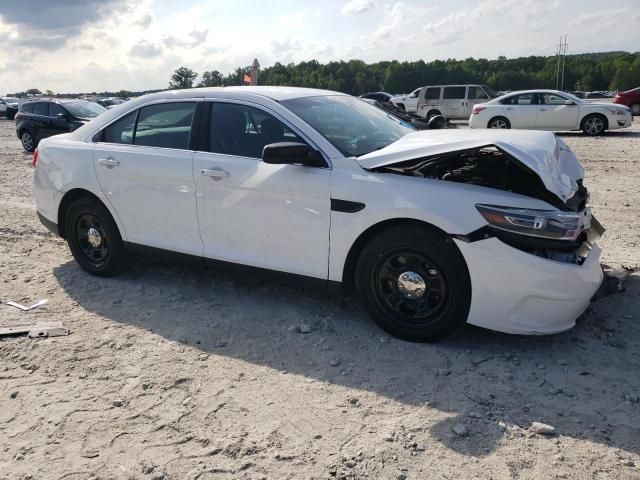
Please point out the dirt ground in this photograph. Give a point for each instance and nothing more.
(172, 372)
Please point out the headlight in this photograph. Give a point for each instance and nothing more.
(617, 111)
(549, 224)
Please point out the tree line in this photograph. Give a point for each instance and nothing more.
(588, 72)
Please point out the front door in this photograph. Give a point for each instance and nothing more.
(254, 213)
(555, 114)
(145, 170)
(57, 124)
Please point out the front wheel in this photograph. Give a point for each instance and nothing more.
(593, 125)
(93, 238)
(414, 283)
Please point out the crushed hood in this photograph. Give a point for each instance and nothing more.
(542, 152)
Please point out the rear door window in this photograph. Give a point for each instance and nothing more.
(454, 93)
(433, 93)
(166, 125)
(41, 108)
(121, 131)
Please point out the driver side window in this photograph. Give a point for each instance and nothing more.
(243, 131)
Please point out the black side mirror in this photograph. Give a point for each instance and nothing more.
(62, 116)
(292, 153)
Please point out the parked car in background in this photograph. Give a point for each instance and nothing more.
(377, 96)
(598, 95)
(454, 102)
(9, 106)
(408, 102)
(485, 227)
(549, 110)
(630, 98)
(41, 118)
(110, 102)
(577, 93)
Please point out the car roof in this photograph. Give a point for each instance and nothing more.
(56, 100)
(274, 93)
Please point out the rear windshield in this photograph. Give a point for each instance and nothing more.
(83, 109)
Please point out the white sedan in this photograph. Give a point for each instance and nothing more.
(433, 229)
(549, 110)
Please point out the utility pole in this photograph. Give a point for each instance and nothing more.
(564, 57)
(558, 66)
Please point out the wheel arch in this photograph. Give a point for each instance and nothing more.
(73, 195)
(349, 267)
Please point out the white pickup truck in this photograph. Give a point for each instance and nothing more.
(408, 102)
(454, 102)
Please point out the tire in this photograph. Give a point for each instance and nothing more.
(432, 113)
(499, 122)
(398, 260)
(93, 238)
(401, 105)
(635, 109)
(29, 142)
(594, 125)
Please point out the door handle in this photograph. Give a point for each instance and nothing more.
(543, 109)
(108, 162)
(216, 173)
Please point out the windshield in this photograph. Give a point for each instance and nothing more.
(84, 109)
(352, 126)
(112, 101)
(11, 99)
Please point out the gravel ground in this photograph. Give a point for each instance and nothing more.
(172, 372)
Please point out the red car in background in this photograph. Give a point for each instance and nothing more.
(630, 98)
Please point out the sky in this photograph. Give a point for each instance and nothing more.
(98, 45)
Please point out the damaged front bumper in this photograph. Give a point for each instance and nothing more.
(519, 292)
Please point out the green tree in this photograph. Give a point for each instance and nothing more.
(33, 91)
(182, 77)
(211, 78)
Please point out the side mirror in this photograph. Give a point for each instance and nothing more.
(292, 153)
(569, 102)
(62, 116)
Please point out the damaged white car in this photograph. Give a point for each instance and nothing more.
(433, 229)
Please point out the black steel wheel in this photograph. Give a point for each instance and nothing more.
(28, 142)
(414, 283)
(93, 237)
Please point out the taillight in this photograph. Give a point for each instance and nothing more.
(477, 110)
(35, 158)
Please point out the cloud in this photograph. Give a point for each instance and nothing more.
(144, 21)
(195, 38)
(400, 19)
(358, 6)
(145, 50)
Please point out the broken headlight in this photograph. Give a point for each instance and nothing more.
(549, 224)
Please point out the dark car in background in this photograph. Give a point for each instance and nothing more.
(43, 117)
(9, 106)
(377, 96)
(630, 98)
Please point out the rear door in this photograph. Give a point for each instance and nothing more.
(144, 166)
(521, 110)
(553, 114)
(454, 102)
(40, 119)
(253, 213)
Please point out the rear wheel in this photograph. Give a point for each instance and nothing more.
(93, 237)
(28, 142)
(414, 283)
(499, 122)
(594, 125)
(635, 109)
